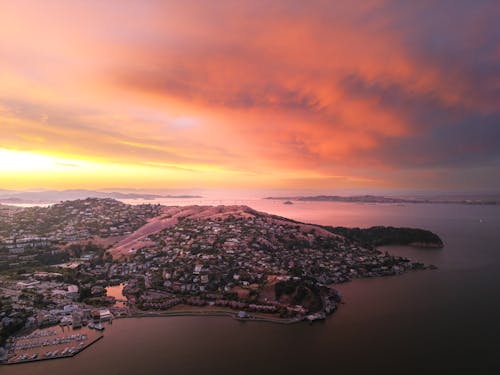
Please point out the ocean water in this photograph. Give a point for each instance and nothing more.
(440, 321)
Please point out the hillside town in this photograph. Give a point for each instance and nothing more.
(31, 236)
(60, 261)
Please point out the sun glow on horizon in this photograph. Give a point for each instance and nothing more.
(26, 169)
(26, 161)
(30, 169)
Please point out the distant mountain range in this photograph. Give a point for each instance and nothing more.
(54, 196)
(381, 199)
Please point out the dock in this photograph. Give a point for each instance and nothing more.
(69, 352)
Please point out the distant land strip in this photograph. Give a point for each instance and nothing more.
(382, 199)
(54, 196)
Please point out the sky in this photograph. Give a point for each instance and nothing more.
(250, 94)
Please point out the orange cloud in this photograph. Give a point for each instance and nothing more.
(287, 93)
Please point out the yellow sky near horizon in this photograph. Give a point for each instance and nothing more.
(27, 170)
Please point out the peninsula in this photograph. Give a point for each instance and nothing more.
(56, 263)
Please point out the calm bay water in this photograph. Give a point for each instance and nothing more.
(440, 321)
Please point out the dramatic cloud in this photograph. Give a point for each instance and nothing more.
(310, 94)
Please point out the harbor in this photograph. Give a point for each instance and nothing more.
(51, 343)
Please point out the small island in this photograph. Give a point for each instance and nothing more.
(58, 262)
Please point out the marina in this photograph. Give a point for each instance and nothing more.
(51, 343)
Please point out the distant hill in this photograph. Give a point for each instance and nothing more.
(54, 196)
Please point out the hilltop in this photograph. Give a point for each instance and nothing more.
(171, 216)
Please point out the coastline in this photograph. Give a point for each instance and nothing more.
(165, 314)
(194, 311)
(234, 315)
